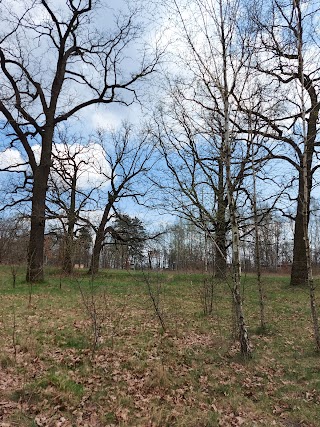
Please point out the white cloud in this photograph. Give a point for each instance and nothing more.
(93, 170)
(111, 117)
(93, 167)
(11, 158)
(106, 119)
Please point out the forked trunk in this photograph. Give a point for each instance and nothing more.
(95, 257)
(100, 235)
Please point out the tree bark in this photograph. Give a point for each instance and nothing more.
(306, 175)
(236, 272)
(69, 248)
(299, 272)
(100, 235)
(226, 144)
(95, 258)
(220, 256)
(221, 228)
(67, 265)
(257, 249)
(36, 240)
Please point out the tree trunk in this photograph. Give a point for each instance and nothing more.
(258, 255)
(306, 175)
(100, 235)
(299, 272)
(38, 210)
(67, 265)
(220, 252)
(236, 278)
(36, 241)
(221, 229)
(94, 265)
(226, 145)
(69, 248)
(310, 280)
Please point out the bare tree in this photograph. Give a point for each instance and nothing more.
(54, 63)
(285, 71)
(286, 36)
(191, 124)
(74, 182)
(195, 187)
(297, 11)
(128, 157)
(187, 248)
(13, 240)
(207, 157)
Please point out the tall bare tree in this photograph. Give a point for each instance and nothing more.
(304, 90)
(55, 62)
(129, 157)
(283, 119)
(74, 183)
(208, 159)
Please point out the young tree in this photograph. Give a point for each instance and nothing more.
(55, 62)
(257, 248)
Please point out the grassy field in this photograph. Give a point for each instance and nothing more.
(76, 352)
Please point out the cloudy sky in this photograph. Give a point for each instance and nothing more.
(107, 117)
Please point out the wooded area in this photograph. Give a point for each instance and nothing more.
(217, 174)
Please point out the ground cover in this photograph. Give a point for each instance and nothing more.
(82, 352)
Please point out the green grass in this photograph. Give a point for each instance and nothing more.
(189, 375)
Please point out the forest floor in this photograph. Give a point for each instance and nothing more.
(77, 352)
